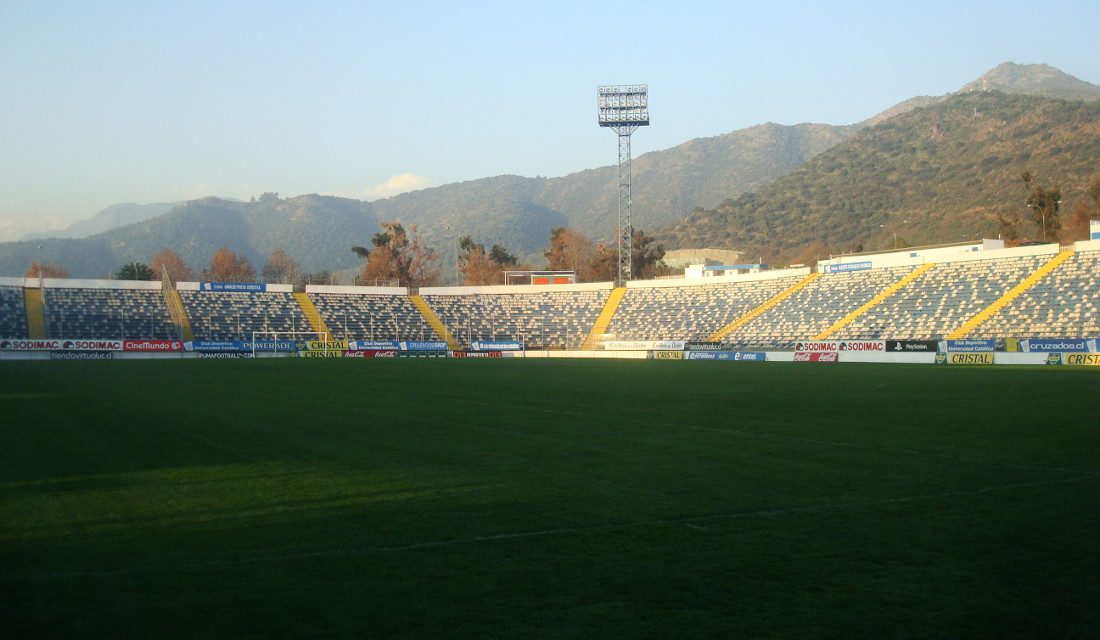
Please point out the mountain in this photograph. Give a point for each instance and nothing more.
(940, 173)
(116, 215)
(317, 231)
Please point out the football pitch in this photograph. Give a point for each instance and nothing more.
(547, 498)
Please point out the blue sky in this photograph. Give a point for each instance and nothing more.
(107, 102)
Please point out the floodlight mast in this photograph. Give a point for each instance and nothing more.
(623, 108)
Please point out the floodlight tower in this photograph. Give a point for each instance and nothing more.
(623, 108)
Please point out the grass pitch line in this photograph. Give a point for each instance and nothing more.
(689, 521)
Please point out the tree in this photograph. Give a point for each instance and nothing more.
(281, 268)
(170, 261)
(396, 258)
(135, 271)
(46, 271)
(1077, 227)
(226, 266)
(362, 252)
(1044, 207)
(1094, 192)
(481, 268)
(569, 250)
(646, 256)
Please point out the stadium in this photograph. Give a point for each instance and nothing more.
(573, 485)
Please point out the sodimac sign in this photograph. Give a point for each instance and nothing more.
(60, 344)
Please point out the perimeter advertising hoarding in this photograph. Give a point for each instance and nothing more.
(336, 353)
(848, 266)
(371, 353)
(644, 345)
(971, 345)
(373, 345)
(1064, 345)
(965, 357)
(433, 345)
(229, 346)
(238, 287)
(323, 345)
(816, 356)
(224, 355)
(699, 345)
(911, 346)
(665, 355)
(152, 346)
(826, 345)
(477, 354)
(81, 355)
(422, 354)
(1081, 359)
(486, 345)
(60, 344)
(748, 356)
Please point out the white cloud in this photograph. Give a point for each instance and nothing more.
(399, 183)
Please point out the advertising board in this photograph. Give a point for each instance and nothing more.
(323, 345)
(699, 345)
(644, 345)
(371, 353)
(60, 344)
(422, 354)
(1082, 359)
(226, 346)
(321, 354)
(912, 346)
(1064, 345)
(494, 345)
(863, 345)
(239, 287)
(152, 346)
(827, 345)
(665, 355)
(434, 345)
(477, 354)
(972, 345)
(373, 345)
(965, 357)
(81, 355)
(223, 355)
(749, 356)
(816, 356)
(848, 266)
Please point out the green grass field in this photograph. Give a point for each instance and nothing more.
(427, 499)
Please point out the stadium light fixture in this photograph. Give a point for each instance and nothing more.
(623, 108)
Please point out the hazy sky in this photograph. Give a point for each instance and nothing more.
(107, 102)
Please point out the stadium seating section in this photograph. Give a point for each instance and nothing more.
(13, 316)
(1064, 303)
(107, 313)
(234, 315)
(551, 320)
(688, 313)
(372, 317)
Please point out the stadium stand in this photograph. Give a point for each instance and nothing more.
(13, 315)
(545, 319)
(942, 299)
(814, 308)
(356, 316)
(1064, 304)
(689, 312)
(107, 313)
(235, 315)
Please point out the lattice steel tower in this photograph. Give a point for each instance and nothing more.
(623, 108)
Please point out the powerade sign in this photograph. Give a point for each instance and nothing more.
(237, 287)
(230, 346)
(1064, 345)
(483, 345)
(848, 266)
(972, 346)
(748, 356)
(410, 345)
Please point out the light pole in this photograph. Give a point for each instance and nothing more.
(1043, 211)
(892, 230)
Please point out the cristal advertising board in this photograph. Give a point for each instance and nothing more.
(971, 345)
(644, 345)
(911, 346)
(1064, 345)
(323, 345)
(750, 356)
(848, 266)
(816, 356)
(60, 344)
(152, 346)
(336, 353)
(239, 287)
(1082, 359)
(965, 357)
(665, 355)
(501, 345)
